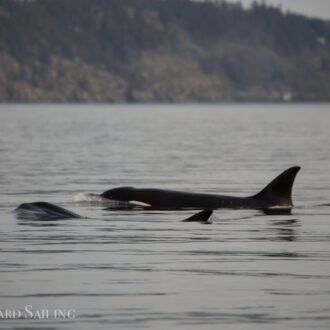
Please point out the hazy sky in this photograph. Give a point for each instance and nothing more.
(315, 8)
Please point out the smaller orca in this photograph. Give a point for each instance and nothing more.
(204, 217)
(43, 211)
(47, 212)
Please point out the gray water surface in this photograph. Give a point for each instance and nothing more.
(126, 269)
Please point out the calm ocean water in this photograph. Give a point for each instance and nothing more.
(126, 269)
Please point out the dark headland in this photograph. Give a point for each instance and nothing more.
(160, 51)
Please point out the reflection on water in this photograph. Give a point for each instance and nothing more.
(286, 229)
(277, 211)
(128, 268)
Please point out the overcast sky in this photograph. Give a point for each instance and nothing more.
(314, 8)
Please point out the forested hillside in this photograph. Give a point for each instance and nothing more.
(159, 51)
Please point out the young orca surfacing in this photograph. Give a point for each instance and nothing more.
(43, 211)
(276, 194)
(48, 212)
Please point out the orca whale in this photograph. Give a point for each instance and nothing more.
(43, 211)
(276, 195)
(204, 216)
(46, 212)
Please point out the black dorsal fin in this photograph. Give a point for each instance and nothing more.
(278, 192)
(203, 216)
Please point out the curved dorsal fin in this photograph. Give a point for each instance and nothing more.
(278, 192)
(203, 216)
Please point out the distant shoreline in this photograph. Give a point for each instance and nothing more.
(160, 51)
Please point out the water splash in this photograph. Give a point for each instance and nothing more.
(88, 198)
